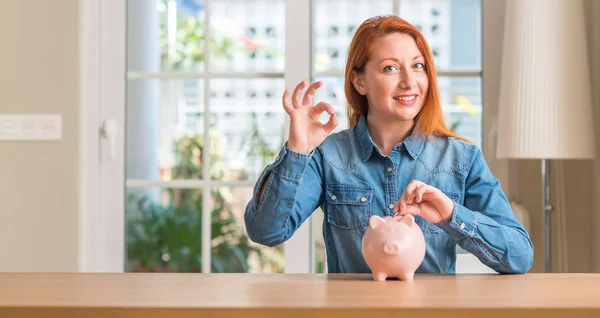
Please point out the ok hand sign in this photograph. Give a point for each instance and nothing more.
(306, 131)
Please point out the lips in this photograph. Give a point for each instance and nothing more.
(406, 100)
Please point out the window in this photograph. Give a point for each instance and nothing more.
(453, 31)
(204, 117)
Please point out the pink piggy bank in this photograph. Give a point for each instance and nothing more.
(393, 247)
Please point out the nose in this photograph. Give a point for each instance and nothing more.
(390, 248)
(407, 81)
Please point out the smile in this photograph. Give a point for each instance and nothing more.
(406, 100)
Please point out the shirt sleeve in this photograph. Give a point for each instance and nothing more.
(293, 191)
(486, 226)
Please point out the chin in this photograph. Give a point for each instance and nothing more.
(405, 116)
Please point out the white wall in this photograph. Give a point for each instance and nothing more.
(39, 73)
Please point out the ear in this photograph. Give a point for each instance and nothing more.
(358, 83)
(375, 220)
(408, 219)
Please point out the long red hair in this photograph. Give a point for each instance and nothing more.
(431, 118)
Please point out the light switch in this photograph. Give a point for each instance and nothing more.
(31, 127)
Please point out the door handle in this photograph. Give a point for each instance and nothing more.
(109, 131)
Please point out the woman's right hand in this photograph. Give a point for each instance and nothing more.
(306, 131)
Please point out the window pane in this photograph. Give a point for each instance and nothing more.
(461, 101)
(163, 230)
(166, 35)
(165, 123)
(253, 34)
(232, 251)
(334, 25)
(452, 29)
(317, 220)
(248, 126)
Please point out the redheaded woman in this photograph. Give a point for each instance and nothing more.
(397, 157)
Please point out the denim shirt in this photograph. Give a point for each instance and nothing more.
(349, 178)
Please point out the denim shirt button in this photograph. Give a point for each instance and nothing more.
(389, 169)
(391, 206)
(462, 225)
(363, 199)
(333, 197)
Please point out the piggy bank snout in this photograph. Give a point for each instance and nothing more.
(391, 248)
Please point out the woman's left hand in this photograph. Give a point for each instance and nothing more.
(432, 204)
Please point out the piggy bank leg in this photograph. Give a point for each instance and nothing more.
(379, 276)
(407, 276)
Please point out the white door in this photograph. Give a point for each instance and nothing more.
(187, 124)
(101, 246)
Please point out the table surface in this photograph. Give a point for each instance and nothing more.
(349, 295)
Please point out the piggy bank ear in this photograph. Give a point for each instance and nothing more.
(408, 219)
(375, 220)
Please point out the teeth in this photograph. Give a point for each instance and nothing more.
(408, 98)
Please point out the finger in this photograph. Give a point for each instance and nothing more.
(411, 209)
(402, 205)
(407, 195)
(285, 100)
(296, 95)
(331, 124)
(421, 190)
(398, 207)
(320, 108)
(409, 192)
(310, 92)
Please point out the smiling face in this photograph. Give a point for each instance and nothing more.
(394, 79)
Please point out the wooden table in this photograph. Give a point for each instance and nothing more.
(297, 295)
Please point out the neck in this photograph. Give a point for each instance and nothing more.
(387, 134)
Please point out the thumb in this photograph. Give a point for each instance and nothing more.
(409, 209)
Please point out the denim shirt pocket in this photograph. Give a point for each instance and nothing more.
(349, 206)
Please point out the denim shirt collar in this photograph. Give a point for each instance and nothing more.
(413, 143)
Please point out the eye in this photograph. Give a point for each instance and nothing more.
(420, 66)
(390, 68)
(387, 230)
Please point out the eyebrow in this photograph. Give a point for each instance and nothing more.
(395, 59)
